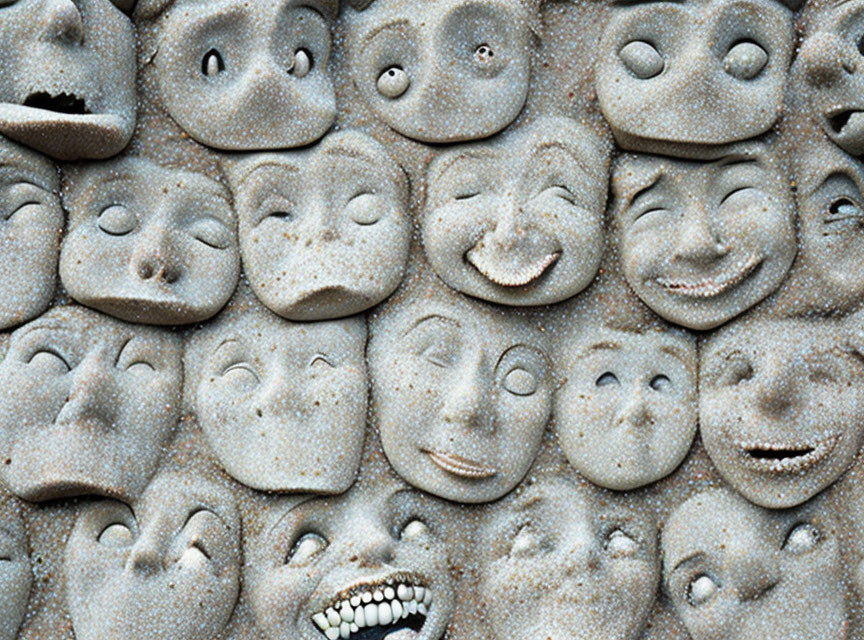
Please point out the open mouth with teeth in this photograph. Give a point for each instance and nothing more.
(846, 127)
(713, 286)
(62, 103)
(516, 266)
(459, 465)
(784, 457)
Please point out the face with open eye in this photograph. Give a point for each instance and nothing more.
(735, 571)
(67, 82)
(168, 569)
(626, 415)
(701, 243)
(95, 401)
(369, 563)
(781, 407)
(149, 244)
(15, 574)
(519, 220)
(442, 71)
(559, 563)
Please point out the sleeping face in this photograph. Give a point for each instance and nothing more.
(16, 576)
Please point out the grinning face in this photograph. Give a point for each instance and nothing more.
(324, 232)
(560, 563)
(243, 76)
(168, 569)
(519, 220)
(626, 415)
(16, 576)
(359, 563)
(442, 71)
(149, 244)
(67, 82)
(701, 243)
(95, 402)
(781, 407)
(735, 571)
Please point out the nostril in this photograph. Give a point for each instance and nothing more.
(259, 413)
(171, 276)
(145, 271)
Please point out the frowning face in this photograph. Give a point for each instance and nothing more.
(15, 574)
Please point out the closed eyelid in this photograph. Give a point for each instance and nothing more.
(395, 25)
(432, 318)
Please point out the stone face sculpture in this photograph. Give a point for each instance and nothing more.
(781, 406)
(702, 242)
(95, 401)
(324, 232)
(519, 220)
(736, 571)
(15, 574)
(442, 71)
(168, 568)
(67, 82)
(149, 244)
(683, 77)
(626, 415)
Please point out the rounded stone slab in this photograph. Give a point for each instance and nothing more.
(16, 576)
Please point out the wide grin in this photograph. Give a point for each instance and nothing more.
(785, 457)
(61, 103)
(515, 266)
(459, 465)
(714, 286)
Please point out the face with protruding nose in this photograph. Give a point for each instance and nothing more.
(149, 244)
(95, 401)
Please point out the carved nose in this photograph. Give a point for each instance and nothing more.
(635, 412)
(466, 403)
(90, 395)
(777, 394)
(153, 267)
(826, 60)
(63, 22)
(697, 241)
(146, 556)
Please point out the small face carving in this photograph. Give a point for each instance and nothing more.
(781, 407)
(149, 244)
(442, 71)
(371, 561)
(95, 401)
(661, 63)
(520, 220)
(626, 415)
(243, 76)
(702, 242)
(270, 388)
(15, 574)
(324, 232)
(462, 394)
(168, 569)
(67, 82)
(735, 571)
(557, 563)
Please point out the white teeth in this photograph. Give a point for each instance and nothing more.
(332, 633)
(321, 620)
(405, 612)
(371, 611)
(396, 606)
(418, 593)
(332, 617)
(377, 595)
(360, 616)
(366, 597)
(422, 608)
(346, 612)
(344, 631)
(427, 598)
(389, 593)
(355, 601)
(354, 628)
(385, 614)
(412, 606)
(404, 593)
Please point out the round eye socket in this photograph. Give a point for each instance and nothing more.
(116, 220)
(140, 367)
(642, 59)
(362, 210)
(116, 535)
(50, 362)
(520, 382)
(414, 529)
(306, 548)
(844, 208)
(745, 60)
(802, 538)
(619, 544)
(302, 63)
(483, 54)
(736, 371)
(701, 590)
(393, 82)
(526, 542)
(660, 383)
(212, 63)
(607, 379)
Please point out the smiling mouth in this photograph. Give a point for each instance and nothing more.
(516, 267)
(69, 104)
(459, 465)
(784, 457)
(714, 286)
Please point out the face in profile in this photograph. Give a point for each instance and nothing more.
(735, 571)
(626, 415)
(519, 220)
(371, 561)
(660, 63)
(95, 401)
(149, 244)
(67, 82)
(567, 562)
(267, 388)
(781, 407)
(442, 71)
(701, 243)
(16, 576)
(169, 568)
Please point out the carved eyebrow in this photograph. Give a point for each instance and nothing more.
(431, 317)
(224, 342)
(732, 161)
(445, 165)
(676, 353)
(693, 558)
(45, 325)
(559, 146)
(394, 24)
(204, 507)
(347, 152)
(641, 191)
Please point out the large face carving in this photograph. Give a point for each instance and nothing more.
(735, 571)
(661, 64)
(324, 232)
(442, 71)
(268, 388)
(519, 220)
(462, 394)
(67, 82)
(15, 574)
(95, 401)
(168, 569)
(149, 244)
(626, 415)
(560, 562)
(702, 242)
(372, 561)
(781, 407)
(242, 76)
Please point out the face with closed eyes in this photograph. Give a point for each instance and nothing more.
(169, 568)
(736, 571)
(661, 63)
(15, 574)
(324, 232)
(520, 220)
(149, 244)
(781, 407)
(95, 401)
(442, 71)
(701, 243)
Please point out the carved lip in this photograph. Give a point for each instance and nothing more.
(713, 286)
(785, 457)
(459, 465)
(515, 266)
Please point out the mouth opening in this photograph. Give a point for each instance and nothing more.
(779, 454)
(69, 104)
(840, 120)
(776, 457)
